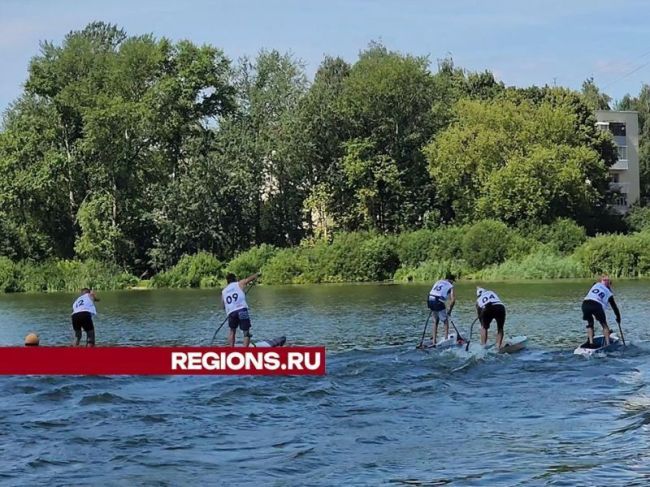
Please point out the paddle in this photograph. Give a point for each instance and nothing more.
(248, 288)
(458, 335)
(621, 331)
(469, 338)
(425, 330)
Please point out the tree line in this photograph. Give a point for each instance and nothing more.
(135, 151)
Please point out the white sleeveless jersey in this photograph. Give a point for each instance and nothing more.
(487, 297)
(441, 289)
(84, 303)
(234, 297)
(600, 293)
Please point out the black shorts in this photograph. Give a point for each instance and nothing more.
(83, 320)
(493, 312)
(592, 309)
(435, 303)
(239, 318)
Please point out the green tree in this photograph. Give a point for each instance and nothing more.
(107, 117)
(594, 98)
(515, 160)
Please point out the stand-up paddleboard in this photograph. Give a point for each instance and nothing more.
(510, 345)
(514, 344)
(450, 342)
(273, 342)
(599, 346)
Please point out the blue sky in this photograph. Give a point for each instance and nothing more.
(523, 42)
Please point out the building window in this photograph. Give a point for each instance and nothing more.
(622, 153)
(617, 128)
(614, 178)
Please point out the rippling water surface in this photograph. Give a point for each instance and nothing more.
(384, 413)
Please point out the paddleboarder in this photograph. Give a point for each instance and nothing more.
(489, 307)
(597, 300)
(233, 299)
(83, 310)
(442, 294)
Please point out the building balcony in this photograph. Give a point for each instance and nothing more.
(620, 187)
(620, 165)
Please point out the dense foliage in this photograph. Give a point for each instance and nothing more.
(134, 155)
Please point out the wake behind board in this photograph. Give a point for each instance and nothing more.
(273, 342)
(451, 342)
(599, 346)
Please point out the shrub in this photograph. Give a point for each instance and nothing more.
(251, 261)
(8, 276)
(543, 264)
(416, 247)
(72, 275)
(485, 243)
(284, 267)
(617, 255)
(638, 218)
(430, 271)
(379, 259)
(190, 271)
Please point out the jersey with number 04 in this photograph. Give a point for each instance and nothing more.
(84, 303)
(600, 293)
(487, 297)
(234, 297)
(441, 289)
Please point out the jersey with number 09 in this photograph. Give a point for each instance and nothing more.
(487, 297)
(84, 303)
(599, 293)
(441, 289)
(234, 298)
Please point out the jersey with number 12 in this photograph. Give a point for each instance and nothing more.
(84, 303)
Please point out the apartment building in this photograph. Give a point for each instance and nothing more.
(624, 174)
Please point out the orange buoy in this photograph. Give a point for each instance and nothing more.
(32, 340)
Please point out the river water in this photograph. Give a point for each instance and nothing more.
(385, 414)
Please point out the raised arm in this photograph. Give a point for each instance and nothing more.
(245, 282)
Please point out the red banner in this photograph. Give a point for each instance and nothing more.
(162, 361)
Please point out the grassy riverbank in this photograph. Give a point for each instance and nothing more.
(486, 251)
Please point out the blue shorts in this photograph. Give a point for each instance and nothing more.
(438, 308)
(239, 318)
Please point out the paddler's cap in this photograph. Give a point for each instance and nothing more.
(479, 291)
(31, 340)
(605, 280)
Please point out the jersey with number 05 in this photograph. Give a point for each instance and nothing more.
(84, 303)
(599, 293)
(234, 297)
(441, 289)
(487, 297)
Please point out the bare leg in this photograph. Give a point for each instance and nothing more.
(446, 328)
(247, 340)
(435, 331)
(484, 336)
(500, 338)
(231, 337)
(590, 335)
(606, 332)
